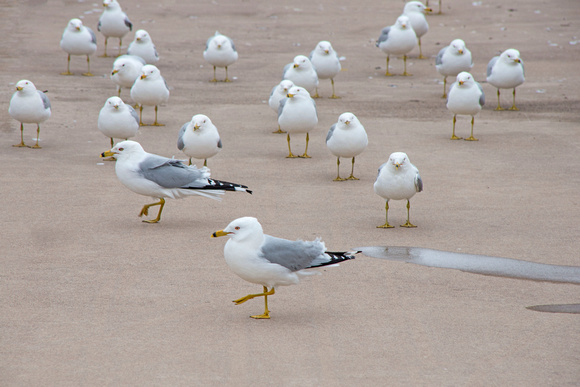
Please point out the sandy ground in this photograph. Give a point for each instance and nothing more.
(90, 295)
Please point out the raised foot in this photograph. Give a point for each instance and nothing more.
(471, 138)
(242, 299)
(67, 73)
(386, 225)
(261, 316)
(408, 225)
(88, 74)
(454, 137)
(21, 145)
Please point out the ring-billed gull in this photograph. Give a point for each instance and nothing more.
(326, 63)
(279, 92)
(346, 138)
(118, 120)
(143, 46)
(270, 261)
(297, 114)
(29, 106)
(149, 89)
(78, 39)
(398, 39)
(220, 51)
(452, 60)
(113, 23)
(415, 11)
(126, 69)
(302, 73)
(160, 177)
(506, 71)
(466, 97)
(398, 179)
(199, 139)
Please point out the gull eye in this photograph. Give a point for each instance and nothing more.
(237, 227)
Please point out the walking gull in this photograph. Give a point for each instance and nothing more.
(346, 138)
(160, 177)
(29, 106)
(270, 261)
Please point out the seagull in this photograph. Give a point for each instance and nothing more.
(346, 138)
(113, 23)
(506, 71)
(220, 52)
(149, 89)
(452, 60)
(297, 114)
(199, 138)
(398, 179)
(78, 40)
(415, 11)
(270, 261)
(279, 92)
(143, 46)
(126, 69)
(29, 106)
(160, 177)
(326, 63)
(398, 39)
(465, 98)
(302, 73)
(118, 120)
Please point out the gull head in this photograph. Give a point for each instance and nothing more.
(285, 85)
(465, 78)
(300, 61)
(221, 42)
(346, 119)
(297, 92)
(114, 103)
(124, 150)
(111, 4)
(142, 36)
(403, 22)
(398, 160)
(241, 229)
(458, 46)
(200, 121)
(24, 86)
(75, 25)
(150, 72)
(324, 47)
(511, 56)
(416, 6)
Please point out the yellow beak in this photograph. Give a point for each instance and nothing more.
(108, 154)
(428, 10)
(460, 51)
(195, 127)
(517, 60)
(143, 76)
(295, 65)
(114, 72)
(461, 82)
(18, 88)
(219, 233)
(289, 95)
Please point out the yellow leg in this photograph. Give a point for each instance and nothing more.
(408, 224)
(386, 225)
(145, 210)
(498, 104)
(155, 123)
(88, 73)
(471, 138)
(316, 93)
(279, 130)
(22, 144)
(205, 163)
(67, 67)
(105, 53)
(120, 44)
(214, 78)
(351, 177)
(420, 50)
(439, 8)
(290, 155)
(333, 96)
(405, 73)
(514, 104)
(444, 87)
(453, 136)
(36, 146)
(305, 155)
(265, 294)
(338, 178)
(227, 79)
(141, 116)
(387, 73)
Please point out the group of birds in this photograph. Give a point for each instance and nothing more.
(253, 255)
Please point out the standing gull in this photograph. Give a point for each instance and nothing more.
(452, 60)
(465, 98)
(415, 11)
(160, 177)
(326, 63)
(346, 138)
(302, 73)
(220, 51)
(29, 106)
(398, 39)
(149, 89)
(270, 261)
(126, 69)
(398, 179)
(279, 92)
(118, 120)
(78, 40)
(113, 23)
(199, 139)
(143, 46)
(506, 71)
(297, 114)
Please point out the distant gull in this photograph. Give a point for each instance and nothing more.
(29, 106)
(126, 69)
(452, 60)
(346, 138)
(118, 120)
(302, 73)
(143, 46)
(297, 114)
(415, 11)
(398, 179)
(270, 261)
(78, 39)
(466, 97)
(160, 177)
(220, 51)
(278, 93)
(199, 139)
(398, 39)
(113, 23)
(150, 89)
(506, 71)
(326, 63)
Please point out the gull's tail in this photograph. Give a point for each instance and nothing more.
(333, 258)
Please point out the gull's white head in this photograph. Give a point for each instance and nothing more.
(398, 160)
(416, 6)
(111, 5)
(142, 36)
(457, 46)
(221, 42)
(121, 65)
(200, 122)
(302, 62)
(297, 92)
(24, 86)
(346, 120)
(285, 86)
(465, 79)
(324, 47)
(114, 103)
(511, 56)
(124, 150)
(150, 72)
(75, 24)
(246, 228)
(403, 22)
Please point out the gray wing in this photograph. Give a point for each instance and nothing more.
(330, 132)
(164, 81)
(523, 70)
(208, 41)
(418, 183)
(232, 43)
(281, 106)
(286, 69)
(45, 100)
(380, 168)
(293, 255)
(220, 143)
(98, 26)
(128, 23)
(491, 64)
(482, 97)
(155, 51)
(273, 90)
(384, 35)
(170, 173)
(133, 113)
(310, 55)
(180, 144)
(93, 36)
(439, 59)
